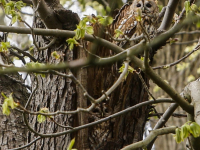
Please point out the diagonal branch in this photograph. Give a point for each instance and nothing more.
(169, 13)
(150, 137)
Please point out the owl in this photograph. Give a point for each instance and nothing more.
(126, 21)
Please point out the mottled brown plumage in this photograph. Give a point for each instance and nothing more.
(126, 20)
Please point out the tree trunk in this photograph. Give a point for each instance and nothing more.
(54, 92)
(123, 130)
(12, 128)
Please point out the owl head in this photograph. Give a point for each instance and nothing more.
(145, 6)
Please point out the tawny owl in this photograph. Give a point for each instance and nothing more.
(126, 20)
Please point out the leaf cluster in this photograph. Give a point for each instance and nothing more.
(42, 118)
(13, 8)
(84, 27)
(192, 9)
(130, 70)
(189, 128)
(8, 103)
(4, 47)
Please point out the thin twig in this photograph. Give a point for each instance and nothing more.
(27, 145)
(17, 81)
(60, 125)
(24, 53)
(98, 121)
(147, 90)
(32, 93)
(178, 61)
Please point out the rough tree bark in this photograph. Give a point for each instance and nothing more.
(12, 128)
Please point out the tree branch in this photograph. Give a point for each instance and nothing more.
(169, 14)
(153, 134)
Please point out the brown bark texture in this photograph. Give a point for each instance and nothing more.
(12, 128)
(53, 92)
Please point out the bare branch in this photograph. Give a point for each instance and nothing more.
(99, 121)
(150, 137)
(29, 144)
(170, 10)
(178, 61)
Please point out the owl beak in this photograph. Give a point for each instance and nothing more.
(143, 9)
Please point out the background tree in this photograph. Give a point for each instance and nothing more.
(65, 90)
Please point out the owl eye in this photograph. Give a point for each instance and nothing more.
(138, 5)
(148, 5)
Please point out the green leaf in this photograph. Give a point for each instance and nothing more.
(194, 7)
(55, 55)
(185, 131)
(105, 20)
(6, 109)
(130, 70)
(71, 42)
(178, 136)
(14, 19)
(195, 129)
(8, 102)
(7, 10)
(118, 32)
(187, 7)
(3, 2)
(19, 5)
(71, 144)
(4, 46)
(89, 29)
(121, 69)
(41, 118)
(80, 33)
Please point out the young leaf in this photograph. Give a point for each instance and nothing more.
(41, 118)
(71, 42)
(187, 7)
(4, 46)
(19, 5)
(118, 32)
(194, 7)
(71, 144)
(14, 19)
(89, 29)
(178, 136)
(55, 55)
(105, 20)
(185, 131)
(195, 129)
(6, 109)
(8, 102)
